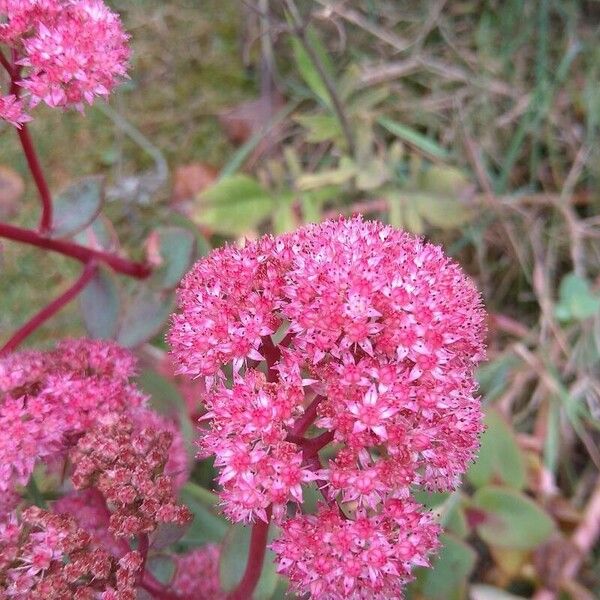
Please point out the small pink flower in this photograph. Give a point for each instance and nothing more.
(12, 110)
(197, 574)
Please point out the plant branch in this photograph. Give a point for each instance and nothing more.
(76, 251)
(256, 557)
(50, 310)
(38, 177)
(300, 30)
(306, 420)
(157, 589)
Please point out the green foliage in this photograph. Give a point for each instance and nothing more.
(576, 300)
(77, 206)
(100, 305)
(500, 459)
(510, 519)
(234, 555)
(234, 205)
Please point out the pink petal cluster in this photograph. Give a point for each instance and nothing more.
(197, 574)
(44, 556)
(67, 52)
(359, 334)
(367, 558)
(48, 399)
(11, 110)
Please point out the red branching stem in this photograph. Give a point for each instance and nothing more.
(256, 557)
(272, 354)
(50, 310)
(38, 177)
(157, 589)
(143, 546)
(313, 445)
(6, 64)
(306, 420)
(76, 251)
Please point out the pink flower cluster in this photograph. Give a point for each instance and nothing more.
(49, 399)
(197, 574)
(44, 556)
(63, 52)
(366, 339)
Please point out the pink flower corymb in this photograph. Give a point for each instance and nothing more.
(341, 357)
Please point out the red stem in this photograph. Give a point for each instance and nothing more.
(49, 311)
(306, 420)
(256, 557)
(38, 177)
(143, 546)
(157, 589)
(76, 251)
(272, 354)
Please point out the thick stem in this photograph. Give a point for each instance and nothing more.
(143, 546)
(306, 420)
(157, 589)
(38, 177)
(76, 251)
(272, 354)
(256, 557)
(49, 311)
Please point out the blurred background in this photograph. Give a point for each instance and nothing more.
(472, 122)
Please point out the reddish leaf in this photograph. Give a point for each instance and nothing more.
(191, 179)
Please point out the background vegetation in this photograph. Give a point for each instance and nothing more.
(472, 122)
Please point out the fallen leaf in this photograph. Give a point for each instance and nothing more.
(191, 179)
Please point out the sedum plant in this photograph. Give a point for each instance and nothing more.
(336, 367)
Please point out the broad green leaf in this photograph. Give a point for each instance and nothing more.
(100, 303)
(414, 138)
(77, 206)
(576, 300)
(372, 174)
(284, 216)
(306, 66)
(320, 128)
(500, 460)
(162, 567)
(448, 576)
(176, 248)
(234, 555)
(344, 173)
(100, 234)
(166, 400)
(489, 592)
(144, 317)
(443, 180)
(446, 213)
(510, 519)
(208, 525)
(233, 206)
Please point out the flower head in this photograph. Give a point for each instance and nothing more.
(197, 574)
(45, 556)
(69, 52)
(379, 334)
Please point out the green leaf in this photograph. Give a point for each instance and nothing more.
(207, 526)
(233, 206)
(176, 247)
(576, 300)
(99, 303)
(500, 460)
(443, 180)
(510, 519)
(344, 173)
(489, 592)
(234, 555)
(414, 138)
(77, 206)
(320, 128)
(144, 317)
(446, 213)
(162, 567)
(284, 216)
(447, 578)
(166, 400)
(307, 69)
